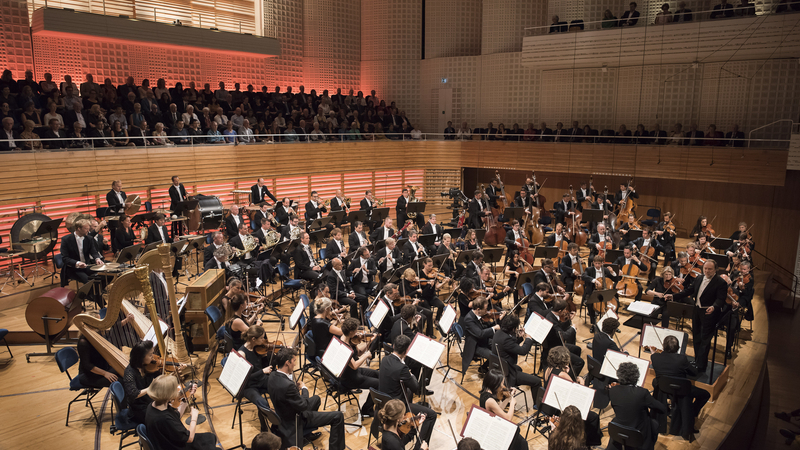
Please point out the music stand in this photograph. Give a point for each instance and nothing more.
(722, 260)
(197, 243)
(426, 240)
(514, 213)
(592, 215)
(336, 216)
(378, 214)
(721, 243)
(143, 217)
(151, 246)
(128, 254)
(282, 247)
(492, 255)
(612, 255)
(681, 310)
(318, 235)
(599, 296)
(320, 223)
(401, 243)
(415, 207)
(437, 260)
(187, 205)
(480, 233)
(464, 257)
(545, 252)
(523, 278)
(398, 273)
(633, 235)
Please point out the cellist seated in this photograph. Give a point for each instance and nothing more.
(630, 267)
(554, 240)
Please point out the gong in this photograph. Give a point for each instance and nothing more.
(24, 241)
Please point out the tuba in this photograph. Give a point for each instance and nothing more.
(411, 198)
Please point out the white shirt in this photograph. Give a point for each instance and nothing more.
(119, 196)
(369, 203)
(599, 273)
(161, 232)
(237, 220)
(361, 241)
(10, 137)
(340, 244)
(79, 241)
(364, 278)
(703, 286)
(602, 237)
(317, 208)
(646, 243)
(386, 233)
(178, 188)
(516, 234)
(389, 259)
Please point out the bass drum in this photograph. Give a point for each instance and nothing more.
(59, 302)
(207, 215)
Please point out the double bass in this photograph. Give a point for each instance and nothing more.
(575, 232)
(626, 205)
(495, 232)
(539, 200)
(607, 283)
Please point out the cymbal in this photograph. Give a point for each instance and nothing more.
(107, 267)
(135, 204)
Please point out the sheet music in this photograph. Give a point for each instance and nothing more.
(336, 356)
(151, 333)
(379, 313)
(653, 336)
(295, 317)
(562, 393)
(491, 431)
(425, 350)
(181, 303)
(538, 327)
(447, 319)
(644, 308)
(609, 313)
(614, 358)
(235, 372)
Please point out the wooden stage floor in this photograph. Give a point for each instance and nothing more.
(34, 395)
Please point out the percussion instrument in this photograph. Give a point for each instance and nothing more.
(134, 204)
(207, 215)
(56, 303)
(24, 241)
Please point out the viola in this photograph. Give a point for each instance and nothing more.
(708, 231)
(408, 421)
(690, 269)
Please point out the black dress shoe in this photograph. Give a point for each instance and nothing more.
(428, 392)
(314, 436)
(591, 329)
(729, 354)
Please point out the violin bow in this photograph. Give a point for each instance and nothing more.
(408, 405)
(564, 344)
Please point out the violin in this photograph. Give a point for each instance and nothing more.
(690, 269)
(408, 421)
(503, 394)
(266, 349)
(708, 231)
(674, 285)
(157, 364)
(362, 336)
(402, 301)
(492, 316)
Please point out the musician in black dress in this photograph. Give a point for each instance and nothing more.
(324, 325)
(237, 325)
(389, 417)
(255, 338)
(124, 237)
(494, 388)
(658, 290)
(136, 380)
(357, 374)
(514, 267)
(665, 235)
(164, 426)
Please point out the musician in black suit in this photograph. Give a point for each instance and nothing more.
(335, 247)
(384, 232)
(305, 265)
(473, 269)
(538, 302)
(261, 235)
(283, 210)
(157, 232)
(338, 204)
(363, 270)
(115, 198)
(314, 210)
(78, 252)
(177, 194)
(603, 339)
(401, 206)
(566, 267)
(219, 260)
(389, 257)
(557, 236)
(593, 278)
(298, 410)
(708, 294)
(262, 213)
(238, 243)
(523, 200)
(562, 328)
(629, 258)
(633, 405)
(513, 239)
(357, 238)
(433, 228)
(232, 222)
(339, 284)
(671, 363)
(477, 209)
(217, 240)
(735, 137)
(508, 344)
(413, 250)
(366, 205)
(395, 376)
(259, 193)
(584, 194)
(477, 334)
(599, 240)
(494, 192)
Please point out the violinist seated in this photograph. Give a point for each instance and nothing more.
(684, 269)
(479, 329)
(628, 259)
(568, 265)
(540, 301)
(413, 250)
(163, 421)
(324, 325)
(509, 343)
(597, 277)
(237, 325)
(741, 285)
(395, 376)
(558, 235)
(466, 297)
(512, 270)
(140, 373)
(392, 417)
(702, 227)
(703, 245)
(493, 393)
(658, 288)
(743, 229)
(548, 275)
(563, 208)
(672, 363)
(561, 363)
(357, 374)
(649, 241)
(600, 241)
(409, 325)
(741, 248)
(391, 296)
(389, 257)
(626, 227)
(665, 235)
(474, 269)
(447, 248)
(335, 247)
(305, 265)
(259, 354)
(339, 284)
(633, 406)
(493, 291)
(362, 270)
(414, 289)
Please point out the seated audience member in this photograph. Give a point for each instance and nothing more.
(245, 133)
(694, 136)
(179, 135)
(664, 17)
(449, 132)
(559, 134)
(160, 136)
(119, 136)
(195, 133)
(609, 19)
(530, 133)
(622, 134)
(683, 14)
(676, 135)
(557, 26)
(641, 136)
(784, 5)
(544, 134)
(53, 114)
(140, 134)
(629, 17)
(658, 136)
(589, 135)
(714, 137)
(575, 132)
(744, 8)
(118, 115)
(724, 9)
(8, 133)
(464, 132)
(54, 132)
(214, 136)
(734, 138)
(32, 142)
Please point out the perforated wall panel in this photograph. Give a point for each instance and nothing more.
(452, 28)
(283, 20)
(331, 43)
(15, 42)
(504, 22)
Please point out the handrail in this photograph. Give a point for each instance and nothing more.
(750, 135)
(795, 283)
(647, 19)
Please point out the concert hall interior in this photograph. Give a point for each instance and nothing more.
(472, 224)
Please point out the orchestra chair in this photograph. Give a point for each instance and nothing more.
(601, 398)
(527, 289)
(681, 413)
(66, 358)
(468, 354)
(379, 399)
(546, 221)
(322, 253)
(247, 395)
(541, 418)
(627, 437)
(272, 418)
(214, 315)
(148, 206)
(334, 388)
(495, 363)
(144, 442)
(3, 333)
(287, 281)
(311, 366)
(121, 423)
(653, 217)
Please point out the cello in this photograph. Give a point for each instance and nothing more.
(627, 285)
(577, 287)
(606, 283)
(626, 205)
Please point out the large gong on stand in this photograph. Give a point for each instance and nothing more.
(33, 246)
